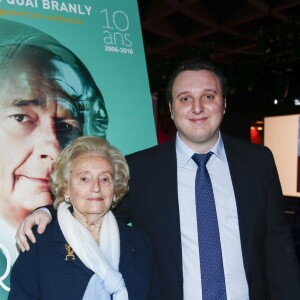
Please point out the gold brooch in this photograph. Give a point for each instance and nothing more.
(70, 252)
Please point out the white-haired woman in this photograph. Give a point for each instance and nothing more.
(86, 253)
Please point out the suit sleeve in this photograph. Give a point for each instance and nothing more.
(24, 277)
(282, 262)
(51, 210)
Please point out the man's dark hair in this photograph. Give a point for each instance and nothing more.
(196, 64)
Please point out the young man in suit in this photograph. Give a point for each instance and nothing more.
(257, 252)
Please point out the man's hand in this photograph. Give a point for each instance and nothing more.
(38, 217)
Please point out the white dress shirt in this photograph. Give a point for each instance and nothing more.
(235, 278)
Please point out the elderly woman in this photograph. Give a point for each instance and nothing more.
(86, 253)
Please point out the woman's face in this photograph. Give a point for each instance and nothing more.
(91, 185)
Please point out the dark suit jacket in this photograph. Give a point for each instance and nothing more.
(43, 272)
(268, 250)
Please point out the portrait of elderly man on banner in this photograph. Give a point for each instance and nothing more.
(47, 98)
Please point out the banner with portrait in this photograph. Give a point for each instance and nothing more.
(68, 68)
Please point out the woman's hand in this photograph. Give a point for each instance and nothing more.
(39, 217)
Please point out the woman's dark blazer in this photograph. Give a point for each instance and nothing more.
(46, 272)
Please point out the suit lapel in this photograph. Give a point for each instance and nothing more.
(169, 207)
(128, 248)
(242, 181)
(65, 251)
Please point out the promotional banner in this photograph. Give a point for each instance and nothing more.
(68, 68)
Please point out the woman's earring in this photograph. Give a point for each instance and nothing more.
(114, 199)
(68, 200)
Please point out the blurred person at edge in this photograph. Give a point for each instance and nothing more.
(47, 98)
(258, 253)
(86, 254)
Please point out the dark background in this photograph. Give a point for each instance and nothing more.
(256, 43)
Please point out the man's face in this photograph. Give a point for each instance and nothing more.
(37, 119)
(197, 108)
